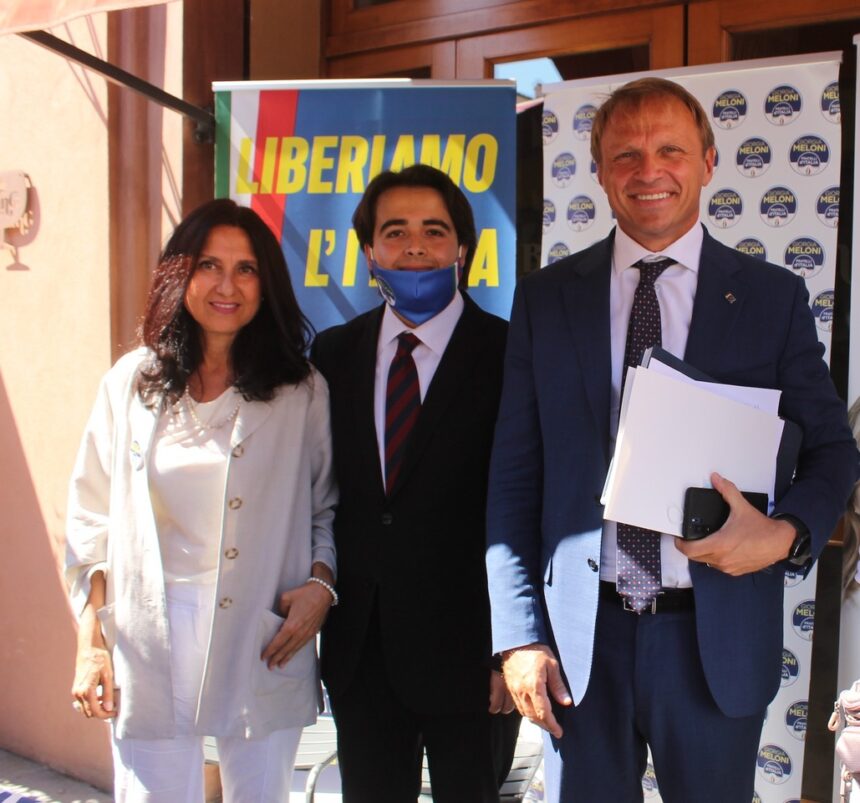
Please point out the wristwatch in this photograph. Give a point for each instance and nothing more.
(800, 550)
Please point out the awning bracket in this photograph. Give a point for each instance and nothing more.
(205, 129)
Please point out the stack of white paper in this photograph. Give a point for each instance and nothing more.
(674, 432)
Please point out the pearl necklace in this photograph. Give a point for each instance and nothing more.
(190, 405)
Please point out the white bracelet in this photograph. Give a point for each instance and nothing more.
(328, 587)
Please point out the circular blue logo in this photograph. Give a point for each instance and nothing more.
(725, 208)
(809, 155)
(385, 290)
(582, 120)
(580, 212)
(804, 256)
(548, 214)
(830, 106)
(753, 157)
(790, 668)
(593, 171)
(782, 105)
(649, 783)
(803, 615)
(792, 578)
(822, 309)
(549, 126)
(729, 109)
(795, 719)
(773, 763)
(827, 207)
(752, 247)
(557, 252)
(778, 206)
(563, 169)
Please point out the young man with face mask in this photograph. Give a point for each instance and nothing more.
(415, 386)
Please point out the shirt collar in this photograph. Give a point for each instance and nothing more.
(434, 333)
(686, 250)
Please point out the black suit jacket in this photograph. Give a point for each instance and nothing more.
(418, 553)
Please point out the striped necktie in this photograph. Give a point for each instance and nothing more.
(402, 405)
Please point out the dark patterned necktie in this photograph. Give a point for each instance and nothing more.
(402, 405)
(638, 558)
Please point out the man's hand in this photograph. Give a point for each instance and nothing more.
(532, 674)
(501, 701)
(747, 542)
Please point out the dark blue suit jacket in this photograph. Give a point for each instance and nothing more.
(751, 325)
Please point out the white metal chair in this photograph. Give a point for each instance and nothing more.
(317, 749)
(528, 755)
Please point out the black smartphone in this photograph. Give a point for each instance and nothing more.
(705, 511)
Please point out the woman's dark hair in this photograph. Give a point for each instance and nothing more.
(419, 175)
(269, 351)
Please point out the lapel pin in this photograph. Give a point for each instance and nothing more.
(730, 297)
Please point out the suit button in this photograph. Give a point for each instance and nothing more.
(231, 553)
(387, 519)
(235, 503)
(592, 564)
(225, 602)
(239, 451)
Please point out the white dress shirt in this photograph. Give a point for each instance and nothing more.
(434, 336)
(676, 291)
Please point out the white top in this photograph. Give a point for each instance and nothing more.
(676, 292)
(434, 336)
(187, 473)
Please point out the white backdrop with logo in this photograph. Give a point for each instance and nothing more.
(774, 194)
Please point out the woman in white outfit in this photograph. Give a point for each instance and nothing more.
(200, 556)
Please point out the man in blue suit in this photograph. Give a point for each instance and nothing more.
(690, 668)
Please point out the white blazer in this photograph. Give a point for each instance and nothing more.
(278, 507)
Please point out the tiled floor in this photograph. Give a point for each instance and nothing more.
(25, 780)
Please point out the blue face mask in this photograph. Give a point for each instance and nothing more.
(416, 295)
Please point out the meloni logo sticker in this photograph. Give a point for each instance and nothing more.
(582, 121)
(753, 157)
(725, 208)
(563, 169)
(580, 212)
(803, 616)
(778, 206)
(549, 126)
(556, 252)
(752, 247)
(548, 214)
(774, 764)
(804, 256)
(729, 109)
(822, 310)
(827, 207)
(830, 106)
(782, 105)
(809, 155)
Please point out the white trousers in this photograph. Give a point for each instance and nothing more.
(849, 662)
(171, 770)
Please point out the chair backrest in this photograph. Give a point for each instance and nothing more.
(317, 743)
(528, 755)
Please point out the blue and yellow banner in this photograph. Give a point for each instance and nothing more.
(301, 155)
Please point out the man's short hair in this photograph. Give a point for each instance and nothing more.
(419, 175)
(634, 94)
